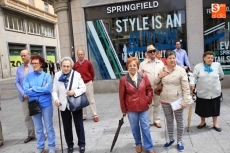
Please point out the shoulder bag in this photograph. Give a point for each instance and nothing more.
(76, 103)
(34, 107)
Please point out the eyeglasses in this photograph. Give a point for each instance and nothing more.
(151, 51)
(34, 63)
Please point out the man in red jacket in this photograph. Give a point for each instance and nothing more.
(85, 68)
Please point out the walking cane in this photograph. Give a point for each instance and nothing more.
(59, 120)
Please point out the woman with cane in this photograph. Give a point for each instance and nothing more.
(60, 91)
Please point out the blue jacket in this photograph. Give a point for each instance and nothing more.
(37, 85)
(19, 80)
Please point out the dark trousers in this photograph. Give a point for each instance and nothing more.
(52, 72)
(67, 124)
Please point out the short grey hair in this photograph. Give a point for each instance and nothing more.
(28, 52)
(67, 59)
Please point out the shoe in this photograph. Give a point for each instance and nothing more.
(201, 126)
(217, 129)
(96, 119)
(158, 125)
(40, 151)
(51, 150)
(168, 144)
(180, 146)
(138, 149)
(82, 149)
(28, 139)
(70, 150)
(1, 144)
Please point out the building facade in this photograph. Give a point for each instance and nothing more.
(26, 24)
(111, 31)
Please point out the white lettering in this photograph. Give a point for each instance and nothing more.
(177, 20)
(138, 25)
(125, 23)
(226, 44)
(138, 5)
(114, 9)
(159, 22)
(118, 8)
(153, 22)
(145, 5)
(228, 59)
(145, 22)
(126, 7)
(132, 7)
(120, 28)
(169, 21)
(132, 23)
(228, 25)
(222, 45)
(108, 9)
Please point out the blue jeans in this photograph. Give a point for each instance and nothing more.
(47, 116)
(139, 122)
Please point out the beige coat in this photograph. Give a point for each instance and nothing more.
(152, 72)
(175, 86)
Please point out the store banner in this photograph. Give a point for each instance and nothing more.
(217, 31)
(126, 29)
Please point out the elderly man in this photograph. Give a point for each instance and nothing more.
(151, 67)
(20, 74)
(85, 68)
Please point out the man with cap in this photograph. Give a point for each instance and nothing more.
(151, 67)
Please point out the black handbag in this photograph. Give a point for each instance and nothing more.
(76, 103)
(34, 107)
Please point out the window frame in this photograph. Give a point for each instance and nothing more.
(19, 24)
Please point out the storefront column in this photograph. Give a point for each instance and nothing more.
(195, 36)
(4, 55)
(61, 9)
(79, 31)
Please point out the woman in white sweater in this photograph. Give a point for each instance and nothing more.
(61, 85)
(207, 78)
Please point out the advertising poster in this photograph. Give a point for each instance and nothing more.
(126, 29)
(217, 31)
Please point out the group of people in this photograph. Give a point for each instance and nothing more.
(143, 107)
(50, 65)
(136, 95)
(33, 83)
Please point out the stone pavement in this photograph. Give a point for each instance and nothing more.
(99, 135)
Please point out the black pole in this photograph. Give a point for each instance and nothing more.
(71, 31)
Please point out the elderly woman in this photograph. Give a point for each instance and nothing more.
(175, 87)
(159, 57)
(37, 85)
(207, 78)
(60, 91)
(136, 94)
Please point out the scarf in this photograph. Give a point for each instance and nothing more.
(64, 78)
(207, 68)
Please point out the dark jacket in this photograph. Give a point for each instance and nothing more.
(132, 98)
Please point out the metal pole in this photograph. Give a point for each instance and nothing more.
(59, 120)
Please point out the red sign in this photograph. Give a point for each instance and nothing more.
(218, 10)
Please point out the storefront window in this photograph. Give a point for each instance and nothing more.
(111, 41)
(217, 33)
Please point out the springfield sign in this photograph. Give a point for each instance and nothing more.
(132, 7)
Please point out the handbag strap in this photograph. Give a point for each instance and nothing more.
(71, 82)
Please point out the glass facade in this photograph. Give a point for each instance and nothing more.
(217, 34)
(111, 41)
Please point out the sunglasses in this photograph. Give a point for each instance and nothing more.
(151, 51)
